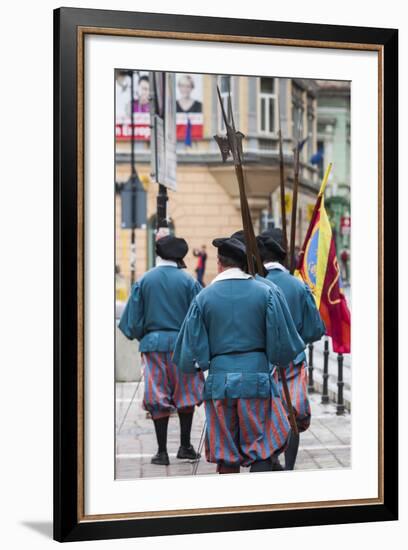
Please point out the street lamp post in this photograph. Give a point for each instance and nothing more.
(162, 197)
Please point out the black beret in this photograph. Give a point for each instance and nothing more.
(231, 247)
(239, 235)
(271, 240)
(171, 248)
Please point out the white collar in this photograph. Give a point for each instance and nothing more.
(161, 262)
(274, 265)
(231, 273)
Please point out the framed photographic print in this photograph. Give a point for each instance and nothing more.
(225, 338)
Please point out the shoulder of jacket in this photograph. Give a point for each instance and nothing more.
(264, 289)
(205, 294)
(148, 275)
(295, 280)
(187, 276)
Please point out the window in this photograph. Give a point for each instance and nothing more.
(297, 112)
(267, 106)
(310, 128)
(225, 86)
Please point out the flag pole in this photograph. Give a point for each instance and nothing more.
(232, 144)
(325, 179)
(292, 256)
(316, 207)
(282, 182)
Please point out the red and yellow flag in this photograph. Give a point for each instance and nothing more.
(319, 268)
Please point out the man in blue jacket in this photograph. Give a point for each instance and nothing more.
(234, 329)
(153, 315)
(305, 315)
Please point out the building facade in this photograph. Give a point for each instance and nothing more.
(334, 143)
(206, 203)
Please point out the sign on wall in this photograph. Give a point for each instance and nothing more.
(141, 106)
(189, 106)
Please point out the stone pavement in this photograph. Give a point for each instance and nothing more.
(326, 444)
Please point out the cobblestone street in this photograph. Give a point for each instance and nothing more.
(326, 444)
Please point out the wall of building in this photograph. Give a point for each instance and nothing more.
(334, 132)
(200, 210)
(206, 203)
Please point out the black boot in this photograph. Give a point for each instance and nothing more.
(291, 451)
(161, 457)
(186, 421)
(261, 466)
(276, 465)
(186, 450)
(188, 453)
(225, 469)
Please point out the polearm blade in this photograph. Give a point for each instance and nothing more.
(229, 145)
(232, 144)
(290, 460)
(292, 262)
(247, 224)
(282, 190)
(282, 184)
(294, 212)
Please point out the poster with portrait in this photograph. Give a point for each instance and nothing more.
(189, 107)
(141, 105)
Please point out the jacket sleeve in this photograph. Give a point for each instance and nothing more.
(312, 325)
(132, 321)
(283, 342)
(192, 349)
(195, 289)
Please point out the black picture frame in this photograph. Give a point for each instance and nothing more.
(67, 339)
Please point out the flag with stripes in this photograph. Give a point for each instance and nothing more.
(319, 268)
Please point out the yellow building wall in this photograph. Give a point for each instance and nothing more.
(207, 104)
(200, 209)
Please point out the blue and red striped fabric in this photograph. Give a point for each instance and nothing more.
(166, 389)
(296, 376)
(242, 431)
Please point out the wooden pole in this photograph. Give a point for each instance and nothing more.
(292, 263)
(249, 235)
(282, 182)
(292, 418)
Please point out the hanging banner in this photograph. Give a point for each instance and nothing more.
(141, 106)
(163, 152)
(170, 131)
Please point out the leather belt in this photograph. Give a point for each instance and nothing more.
(256, 350)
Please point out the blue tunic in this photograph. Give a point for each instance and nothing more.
(302, 307)
(235, 328)
(157, 306)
